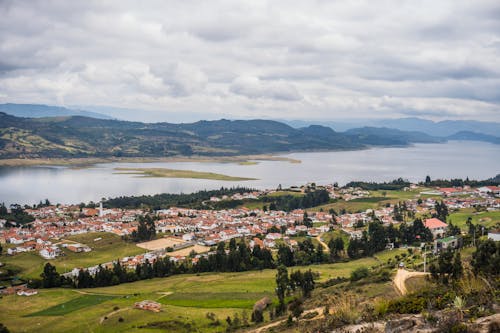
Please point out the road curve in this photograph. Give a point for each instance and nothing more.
(400, 279)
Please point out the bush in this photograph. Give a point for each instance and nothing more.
(359, 273)
(409, 304)
(120, 320)
(380, 308)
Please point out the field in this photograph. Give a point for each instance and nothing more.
(172, 173)
(161, 243)
(486, 219)
(72, 305)
(185, 299)
(108, 248)
(375, 200)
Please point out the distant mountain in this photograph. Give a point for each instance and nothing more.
(438, 129)
(389, 136)
(442, 128)
(40, 111)
(77, 136)
(472, 136)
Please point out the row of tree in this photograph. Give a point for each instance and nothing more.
(289, 202)
(167, 200)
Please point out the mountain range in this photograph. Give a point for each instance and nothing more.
(41, 111)
(85, 136)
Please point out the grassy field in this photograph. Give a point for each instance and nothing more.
(375, 200)
(108, 248)
(185, 299)
(72, 305)
(487, 219)
(172, 173)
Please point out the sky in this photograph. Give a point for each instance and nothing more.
(315, 60)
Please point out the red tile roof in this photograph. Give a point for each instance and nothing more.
(434, 223)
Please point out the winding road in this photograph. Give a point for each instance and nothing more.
(400, 279)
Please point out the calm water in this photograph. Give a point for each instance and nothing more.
(28, 185)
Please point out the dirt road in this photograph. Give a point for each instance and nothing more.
(325, 246)
(400, 279)
(276, 323)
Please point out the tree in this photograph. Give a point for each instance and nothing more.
(282, 283)
(3, 328)
(441, 211)
(50, 277)
(295, 307)
(486, 259)
(457, 269)
(427, 179)
(1, 249)
(307, 284)
(285, 256)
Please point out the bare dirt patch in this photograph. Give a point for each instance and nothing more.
(161, 243)
(185, 252)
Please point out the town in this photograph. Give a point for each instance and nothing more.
(183, 234)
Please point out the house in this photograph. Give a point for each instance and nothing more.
(27, 292)
(494, 235)
(436, 226)
(489, 189)
(49, 252)
(77, 248)
(148, 305)
(447, 243)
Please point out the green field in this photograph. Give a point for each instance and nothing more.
(108, 248)
(374, 201)
(244, 300)
(486, 219)
(185, 299)
(72, 305)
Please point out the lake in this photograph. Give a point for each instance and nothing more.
(455, 159)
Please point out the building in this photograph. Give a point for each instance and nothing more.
(494, 235)
(148, 305)
(447, 243)
(436, 226)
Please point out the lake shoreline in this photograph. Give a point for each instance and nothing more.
(90, 161)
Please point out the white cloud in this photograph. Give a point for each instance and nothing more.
(282, 59)
(253, 87)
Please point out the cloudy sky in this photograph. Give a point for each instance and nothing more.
(256, 59)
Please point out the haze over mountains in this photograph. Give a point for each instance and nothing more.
(46, 131)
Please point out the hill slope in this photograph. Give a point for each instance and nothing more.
(77, 136)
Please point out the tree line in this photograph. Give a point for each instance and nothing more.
(289, 202)
(167, 200)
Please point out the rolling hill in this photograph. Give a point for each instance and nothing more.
(77, 136)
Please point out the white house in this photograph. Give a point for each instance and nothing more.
(494, 235)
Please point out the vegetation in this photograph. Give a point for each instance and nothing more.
(167, 200)
(290, 202)
(397, 184)
(172, 173)
(73, 305)
(16, 215)
(460, 182)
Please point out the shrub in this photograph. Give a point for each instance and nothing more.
(121, 319)
(359, 273)
(380, 307)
